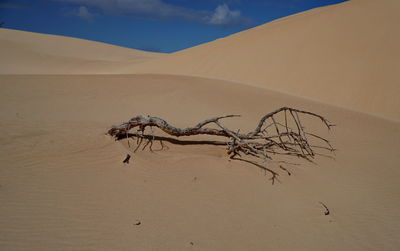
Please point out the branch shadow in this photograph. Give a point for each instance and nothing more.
(172, 140)
(266, 169)
(198, 142)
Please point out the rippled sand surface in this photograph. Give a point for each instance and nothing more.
(63, 185)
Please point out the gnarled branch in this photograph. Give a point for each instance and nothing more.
(270, 137)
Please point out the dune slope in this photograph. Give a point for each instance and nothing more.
(34, 53)
(63, 185)
(346, 55)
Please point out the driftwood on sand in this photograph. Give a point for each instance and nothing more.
(271, 136)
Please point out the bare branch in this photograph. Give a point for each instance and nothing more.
(268, 138)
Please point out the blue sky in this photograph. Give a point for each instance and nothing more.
(154, 25)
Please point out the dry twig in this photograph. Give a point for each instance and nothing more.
(327, 212)
(126, 160)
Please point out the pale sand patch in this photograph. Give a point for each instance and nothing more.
(346, 55)
(34, 53)
(63, 185)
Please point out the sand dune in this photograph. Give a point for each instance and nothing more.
(345, 55)
(63, 185)
(33, 53)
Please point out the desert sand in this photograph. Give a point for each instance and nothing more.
(345, 55)
(32, 53)
(63, 185)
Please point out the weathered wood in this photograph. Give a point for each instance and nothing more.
(267, 138)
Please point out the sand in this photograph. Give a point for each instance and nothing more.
(345, 55)
(32, 53)
(63, 185)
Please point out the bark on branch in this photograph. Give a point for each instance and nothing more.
(269, 137)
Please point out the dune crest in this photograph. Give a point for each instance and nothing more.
(64, 184)
(34, 53)
(345, 55)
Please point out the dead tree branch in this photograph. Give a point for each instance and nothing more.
(270, 137)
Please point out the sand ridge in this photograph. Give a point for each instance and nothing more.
(33, 53)
(346, 55)
(63, 185)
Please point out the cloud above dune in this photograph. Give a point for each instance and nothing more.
(84, 13)
(222, 16)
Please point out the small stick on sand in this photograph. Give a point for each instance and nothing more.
(284, 169)
(126, 160)
(326, 208)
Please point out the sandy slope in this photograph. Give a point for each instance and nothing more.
(346, 55)
(63, 186)
(33, 53)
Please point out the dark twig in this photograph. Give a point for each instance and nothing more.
(327, 212)
(284, 169)
(126, 160)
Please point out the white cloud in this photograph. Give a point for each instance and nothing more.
(84, 13)
(159, 10)
(223, 16)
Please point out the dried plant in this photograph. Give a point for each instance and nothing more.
(270, 137)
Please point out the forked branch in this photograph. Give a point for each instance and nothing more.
(269, 137)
